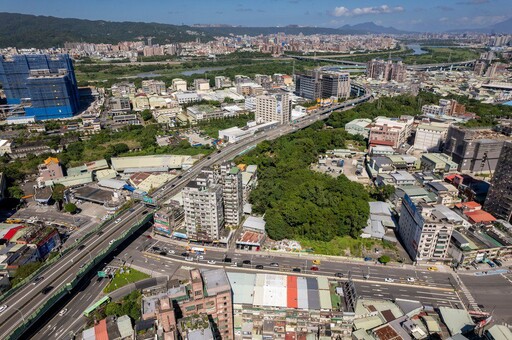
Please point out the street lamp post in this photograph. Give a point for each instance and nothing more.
(22, 316)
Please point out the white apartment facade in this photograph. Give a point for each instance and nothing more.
(274, 107)
(430, 136)
(204, 213)
(426, 230)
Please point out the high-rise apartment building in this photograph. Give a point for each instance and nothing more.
(474, 149)
(44, 84)
(202, 84)
(204, 212)
(386, 70)
(426, 230)
(390, 132)
(273, 107)
(179, 85)
(206, 294)
(232, 192)
(499, 198)
(320, 84)
(221, 82)
(153, 86)
(429, 137)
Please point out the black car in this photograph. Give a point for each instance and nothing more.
(46, 289)
(227, 260)
(184, 254)
(338, 274)
(144, 212)
(131, 210)
(156, 248)
(208, 157)
(259, 266)
(81, 247)
(38, 279)
(180, 176)
(246, 261)
(99, 233)
(218, 151)
(163, 253)
(297, 270)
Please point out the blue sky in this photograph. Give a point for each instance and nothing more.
(421, 15)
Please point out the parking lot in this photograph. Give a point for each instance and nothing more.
(353, 168)
(195, 138)
(50, 214)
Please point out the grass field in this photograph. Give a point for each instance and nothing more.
(122, 279)
(442, 55)
(435, 55)
(344, 246)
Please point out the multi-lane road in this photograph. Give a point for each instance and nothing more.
(29, 298)
(372, 280)
(431, 288)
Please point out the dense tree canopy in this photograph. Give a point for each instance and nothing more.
(298, 202)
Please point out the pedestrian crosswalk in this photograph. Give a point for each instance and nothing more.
(472, 304)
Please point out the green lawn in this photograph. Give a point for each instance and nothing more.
(122, 279)
(344, 246)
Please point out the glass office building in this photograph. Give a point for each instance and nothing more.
(44, 84)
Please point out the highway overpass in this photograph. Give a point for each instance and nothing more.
(418, 67)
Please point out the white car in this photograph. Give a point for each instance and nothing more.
(388, 279)
(190, 259)
(3, 308)
(118, 220)
(200, 257)
(62, 312)
(171, 252)
(211, 262)
(111, 242)
(411, 279)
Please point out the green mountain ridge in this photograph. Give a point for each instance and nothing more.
(23, 31)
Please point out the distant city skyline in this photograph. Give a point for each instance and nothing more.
(434, 16)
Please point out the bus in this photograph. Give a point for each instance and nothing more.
(196, 250)
(94, 306)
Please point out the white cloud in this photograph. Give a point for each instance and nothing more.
(481, 20)
(384, 9)
(340, 11)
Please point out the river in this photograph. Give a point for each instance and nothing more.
(203, 70)
(417, 50)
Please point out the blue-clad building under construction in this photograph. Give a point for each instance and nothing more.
(44, 84)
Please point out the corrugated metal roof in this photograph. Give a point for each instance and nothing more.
(302, 293)
(292, 299)
(457, 320)
(89, 334)
(242, 285)
(274, 290)
(325, 299)
(323, 283)
(500, 332)
(312, 283)
(124, 324)
(258, 296)
(112, 183)
(101, 330)
(313, 299)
